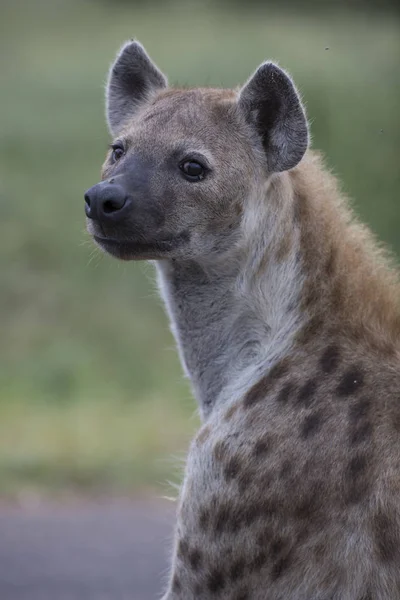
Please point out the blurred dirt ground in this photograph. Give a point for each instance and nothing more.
(109, 550)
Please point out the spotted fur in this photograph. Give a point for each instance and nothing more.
(286, 315)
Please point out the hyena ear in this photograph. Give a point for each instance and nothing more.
(271, 103)
(132, 80)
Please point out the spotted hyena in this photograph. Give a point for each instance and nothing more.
(286, 316)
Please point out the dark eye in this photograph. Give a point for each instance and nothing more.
(192, 170)
(117, 152)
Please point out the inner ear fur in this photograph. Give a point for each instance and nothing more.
(133, 79)
(272, 105)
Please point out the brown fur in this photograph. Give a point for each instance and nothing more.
(320, 455)
(347, 270)
(287, 317)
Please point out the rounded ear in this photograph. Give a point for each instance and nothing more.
(271, 104)
(132, 80)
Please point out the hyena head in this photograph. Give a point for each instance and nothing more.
(184, 163)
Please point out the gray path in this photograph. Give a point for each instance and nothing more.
(115, 551)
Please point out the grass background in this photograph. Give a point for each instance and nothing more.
(91, 392)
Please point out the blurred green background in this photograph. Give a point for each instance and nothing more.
(91, 393)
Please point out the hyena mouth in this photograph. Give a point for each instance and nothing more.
(140, 250)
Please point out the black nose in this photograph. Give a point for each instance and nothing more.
(104, 200)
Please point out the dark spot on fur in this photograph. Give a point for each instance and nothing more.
(252, 419)
(203, 435)
(360, 427)
(264, 537)
(204, 518)
(264, 507)
(351, 382)
(361, 434)
(285, 393)
(306, 393)
(216, 581)
(231, 411)
(208, 403)
(220, 450)
(258, 561)
(286, 469)
(396, 421)
(312, 298)
(358, 482)
(337, 296)
(266, 478)
(232, 468)
(242, 595)
(176, 584)
(276, 547)
(237, 569)
(221, 518)
(257, 393)
(261, 447)
(235, 522)
(330, 359)
(251, 512)
(359, 410)
(357, 466)
(183, 549)
(297, 216)
(244, 479)
(280, 566)
(310, 426)
(320, 551)
(278, 370)
(238, 208)
(303, 532)
(310, 330)
(330, 264)
(367, 596)
(261, 389)
(195, 559)
(308, 508)
(387, 537)
(235, 519)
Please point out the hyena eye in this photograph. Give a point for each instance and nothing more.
(117, 152)
(192, 170)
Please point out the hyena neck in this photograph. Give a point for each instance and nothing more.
(234, 321)
(306, 273)
(350, 290)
